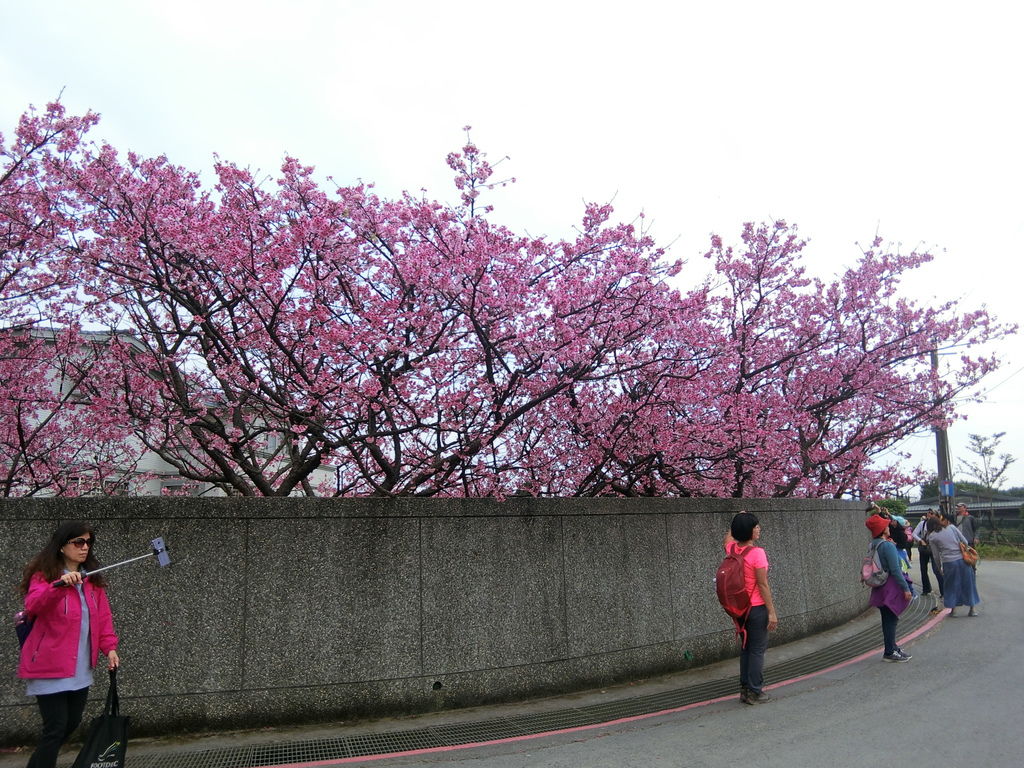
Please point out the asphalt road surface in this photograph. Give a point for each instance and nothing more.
(958, 702)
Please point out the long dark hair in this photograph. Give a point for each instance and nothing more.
(898, 534)
(50, 560)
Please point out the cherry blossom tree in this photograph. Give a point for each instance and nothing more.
(807, 383)
(270, 338)
(52, 440)
(404, 342)
(825, 376)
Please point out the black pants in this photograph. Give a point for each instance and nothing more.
(889, 622)
(62, 713)
(926, 559)
(752, 655)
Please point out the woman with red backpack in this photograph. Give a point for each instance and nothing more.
(761, 618)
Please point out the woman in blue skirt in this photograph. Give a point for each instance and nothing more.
(959, 586)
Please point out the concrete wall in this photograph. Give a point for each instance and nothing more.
(293, 610)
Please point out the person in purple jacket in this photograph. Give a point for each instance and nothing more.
(72, 625)
(892, 597)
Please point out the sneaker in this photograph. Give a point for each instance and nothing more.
(758, 698)
(972, 612)
(895, 656)
(906, 656)
(745, 695)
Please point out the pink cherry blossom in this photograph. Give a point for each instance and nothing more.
(279, 337)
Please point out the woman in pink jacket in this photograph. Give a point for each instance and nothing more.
(72, 625)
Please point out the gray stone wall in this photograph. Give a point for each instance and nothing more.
(295, 610)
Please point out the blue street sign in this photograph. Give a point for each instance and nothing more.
(948, 489)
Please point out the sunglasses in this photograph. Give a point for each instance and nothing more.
(80, 542)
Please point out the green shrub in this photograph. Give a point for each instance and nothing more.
(1000, 552)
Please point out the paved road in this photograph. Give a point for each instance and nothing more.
(957, 703)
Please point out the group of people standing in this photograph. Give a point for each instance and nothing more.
(939, 542)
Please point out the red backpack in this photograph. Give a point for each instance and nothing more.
(731, 586)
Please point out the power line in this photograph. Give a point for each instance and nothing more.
(1005, 380)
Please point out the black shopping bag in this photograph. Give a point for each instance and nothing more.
(107, 742)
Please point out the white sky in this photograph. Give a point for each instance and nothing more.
(904, 118)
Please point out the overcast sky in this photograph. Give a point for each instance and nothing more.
(902, 118)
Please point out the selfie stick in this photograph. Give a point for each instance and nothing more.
(159, 552)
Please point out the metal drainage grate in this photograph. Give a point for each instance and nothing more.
(458, 734)
(297, 752)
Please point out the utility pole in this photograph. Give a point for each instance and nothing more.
(942, 454)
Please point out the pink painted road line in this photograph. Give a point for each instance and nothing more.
(579, 728)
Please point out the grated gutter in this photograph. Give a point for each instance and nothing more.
(461, 734)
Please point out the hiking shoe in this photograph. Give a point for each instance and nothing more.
(895, 656)
(758, 698)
